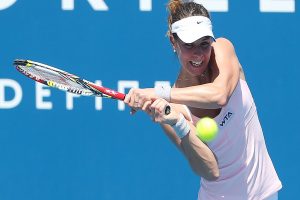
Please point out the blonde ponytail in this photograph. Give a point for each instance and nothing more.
(173, 5)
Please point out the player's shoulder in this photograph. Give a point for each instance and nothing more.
(223, 44)
(223, 41)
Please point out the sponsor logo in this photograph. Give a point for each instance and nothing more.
(226, 119)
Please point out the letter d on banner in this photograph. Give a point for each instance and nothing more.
(18, 94)
(6, 4)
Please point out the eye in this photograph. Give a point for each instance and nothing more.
(205, 44)
(188, 45)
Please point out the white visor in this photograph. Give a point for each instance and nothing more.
(192, 28)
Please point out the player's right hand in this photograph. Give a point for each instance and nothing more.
(157, 112)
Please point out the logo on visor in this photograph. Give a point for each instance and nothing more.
(199, 22)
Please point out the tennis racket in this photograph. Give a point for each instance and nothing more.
(65, 81)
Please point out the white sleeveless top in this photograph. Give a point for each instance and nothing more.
(246, 170)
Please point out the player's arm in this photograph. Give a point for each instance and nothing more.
(226, 72)
(200, 157)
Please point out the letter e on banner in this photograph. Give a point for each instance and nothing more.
(41, 92)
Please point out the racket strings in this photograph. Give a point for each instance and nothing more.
(57, 78)
(54, 79)
(51, 76)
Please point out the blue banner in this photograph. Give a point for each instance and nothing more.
(54, 145)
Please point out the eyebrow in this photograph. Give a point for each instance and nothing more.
(203, 39)
(197, 42)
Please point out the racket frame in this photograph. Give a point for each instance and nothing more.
(91, 88)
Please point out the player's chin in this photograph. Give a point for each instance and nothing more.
(196, 71)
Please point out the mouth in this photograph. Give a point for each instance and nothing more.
(196, 64)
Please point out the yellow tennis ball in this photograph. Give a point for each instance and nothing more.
(207, 129)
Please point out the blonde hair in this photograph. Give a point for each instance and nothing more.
(179, 10)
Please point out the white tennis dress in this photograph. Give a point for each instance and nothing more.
(246, 170)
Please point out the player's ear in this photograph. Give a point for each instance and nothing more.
(172, 41)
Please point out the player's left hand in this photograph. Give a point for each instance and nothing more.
(140, 99)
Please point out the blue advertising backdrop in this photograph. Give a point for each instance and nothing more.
(49, 150)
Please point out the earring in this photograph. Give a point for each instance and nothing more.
(174, 50)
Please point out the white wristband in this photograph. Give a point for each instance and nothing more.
(182, 128)
(163, 91)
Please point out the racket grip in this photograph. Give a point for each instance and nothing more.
(168, 110)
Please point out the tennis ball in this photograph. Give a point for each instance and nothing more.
(207, 129)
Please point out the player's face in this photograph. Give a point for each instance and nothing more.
(194, 57)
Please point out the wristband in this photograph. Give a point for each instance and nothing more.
(163, 91)
(182, 128)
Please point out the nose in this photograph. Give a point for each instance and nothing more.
(198, 54)
(198, 51)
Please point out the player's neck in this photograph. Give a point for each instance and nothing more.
(185, 80)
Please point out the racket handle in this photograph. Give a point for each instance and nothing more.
(168, 110)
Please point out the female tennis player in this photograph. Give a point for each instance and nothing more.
(236, 164)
